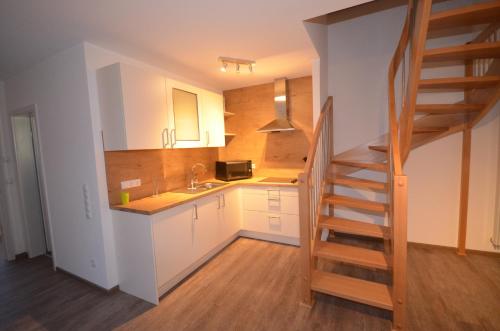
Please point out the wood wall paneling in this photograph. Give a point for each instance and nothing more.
(273, 153)
(171, 168)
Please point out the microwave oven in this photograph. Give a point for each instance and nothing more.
(233, 170)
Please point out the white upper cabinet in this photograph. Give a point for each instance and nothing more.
(213, 119)
(142, 109)
(184, 103)
(196, 116)
(133, 108)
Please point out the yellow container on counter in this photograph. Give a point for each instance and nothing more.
(125, 197)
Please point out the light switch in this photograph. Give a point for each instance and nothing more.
(130, 183)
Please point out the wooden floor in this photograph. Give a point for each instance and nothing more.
(253, 285)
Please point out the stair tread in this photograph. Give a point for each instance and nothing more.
(353, 255)
(358, 183)
(423, 129)
(346, 201)
(379, 148)
(449, 108)
(459, 82)
(344, 225)
(354, 289)
(485, 50)
(360, 164)
(470, 15)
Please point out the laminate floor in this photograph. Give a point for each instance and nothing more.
(254, 285)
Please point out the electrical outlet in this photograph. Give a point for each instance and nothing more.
(253, 166)
(130, 183)
(92, 263)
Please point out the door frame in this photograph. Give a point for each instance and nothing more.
(33, 113)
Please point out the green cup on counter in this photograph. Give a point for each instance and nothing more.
(125, 197)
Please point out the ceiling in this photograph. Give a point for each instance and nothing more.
(185, 37)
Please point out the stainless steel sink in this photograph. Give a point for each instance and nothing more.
(203, 187)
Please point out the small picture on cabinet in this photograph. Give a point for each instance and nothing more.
(185, 105)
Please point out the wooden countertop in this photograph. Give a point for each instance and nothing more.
(152, 205)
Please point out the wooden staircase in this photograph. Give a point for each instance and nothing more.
(325, 173)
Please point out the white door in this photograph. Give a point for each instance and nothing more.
(184, 103)
(174, 243)
(213, 119)
(29, 187)
(206, 225)
(145, 106)
(231, 204)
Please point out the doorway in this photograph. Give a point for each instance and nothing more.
(30, 183)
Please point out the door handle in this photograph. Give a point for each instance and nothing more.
(218, 202)
(165, 144)
(208, 137)
(223, 201)
(195, 212)
(173, 139)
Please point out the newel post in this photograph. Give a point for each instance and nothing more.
(400, 201)
(305, 240)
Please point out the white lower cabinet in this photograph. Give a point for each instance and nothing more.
(173, 236)
(155, 252)
(271, 213)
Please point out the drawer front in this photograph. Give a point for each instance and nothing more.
(271, 201)
(280, 224)
(265, 190)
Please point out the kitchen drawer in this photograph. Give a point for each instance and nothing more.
(280, 224)
(265, 190)
(272, 201)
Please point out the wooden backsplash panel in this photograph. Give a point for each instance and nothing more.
(171, 168)
(254, 107)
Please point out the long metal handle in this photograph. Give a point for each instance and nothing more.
(173, 139)
(195, 212)
(165, 144)
(223, 201)
(218, 202)
(208, 137)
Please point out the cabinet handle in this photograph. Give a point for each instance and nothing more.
(208, 137)
(273, 196)
(195, 212)
(223, 201)
(165, 144)
(173, 139)
(218, 202)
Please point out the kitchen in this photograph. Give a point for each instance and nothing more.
(167, 221)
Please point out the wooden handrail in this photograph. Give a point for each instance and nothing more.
(317, 131)
(393, 122)
(311, 190)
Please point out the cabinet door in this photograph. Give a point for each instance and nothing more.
(173, 234)
(213, 119)
(231, 206)
(184, 103)
(206, 225)
(133, 107)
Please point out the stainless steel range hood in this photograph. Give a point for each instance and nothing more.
(281, 122)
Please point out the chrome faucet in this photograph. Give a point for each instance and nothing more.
(194, 176)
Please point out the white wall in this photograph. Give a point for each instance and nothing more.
(359, 52)
(318, 34)
(58, 86)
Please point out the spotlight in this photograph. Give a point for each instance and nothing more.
(224, 67)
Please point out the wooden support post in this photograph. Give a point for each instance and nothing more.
(464, 191)
(305, 240)
(399, 232)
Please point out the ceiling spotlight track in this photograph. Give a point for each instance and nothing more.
(237, 63)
